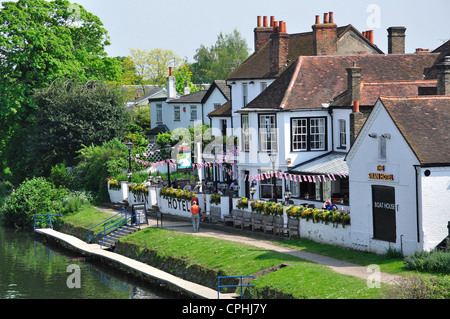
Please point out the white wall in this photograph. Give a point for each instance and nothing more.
(400, 161)
(216, 97)
(434, 197)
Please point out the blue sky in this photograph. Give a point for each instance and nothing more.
(182, 26)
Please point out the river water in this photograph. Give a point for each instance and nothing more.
(30, 268)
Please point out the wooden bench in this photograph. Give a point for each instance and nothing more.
(215, 215)
(245, 221)
(267, 223)
(293, 226)
(228, 218)
(256, 221)
(237, 217)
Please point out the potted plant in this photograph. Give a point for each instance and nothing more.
(242, 203)
(114, 185)
(215, 199)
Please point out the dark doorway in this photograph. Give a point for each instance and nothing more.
(384, 219)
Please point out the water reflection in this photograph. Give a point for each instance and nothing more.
(31, 268)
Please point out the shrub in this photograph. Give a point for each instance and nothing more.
(433, 261)
(34, 196)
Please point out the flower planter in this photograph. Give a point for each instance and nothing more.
(118, 195)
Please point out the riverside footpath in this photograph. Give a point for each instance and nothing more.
(235, 235)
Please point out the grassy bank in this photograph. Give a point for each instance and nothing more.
(301, 279)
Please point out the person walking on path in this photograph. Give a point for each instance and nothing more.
(195, 211)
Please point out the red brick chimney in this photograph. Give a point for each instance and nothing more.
(262, 33)
(279, 46)
(325, 35)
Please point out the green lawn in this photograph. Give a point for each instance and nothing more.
(302, 279)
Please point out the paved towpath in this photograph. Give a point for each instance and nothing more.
(340, 266)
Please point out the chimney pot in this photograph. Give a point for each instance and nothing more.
(272, 20)
(265, 22)
(355, 106)
(331, 17)
(317, 19)
(170, 71)
(325, 18)
(258, 18)
(371, 36)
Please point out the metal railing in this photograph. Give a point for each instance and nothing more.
(113, 223)
(232, 286)
(43, 218)
(112, 218)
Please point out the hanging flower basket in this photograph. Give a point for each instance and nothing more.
(242, 203)
(215, 199)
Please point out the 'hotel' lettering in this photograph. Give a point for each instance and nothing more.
(173, 203)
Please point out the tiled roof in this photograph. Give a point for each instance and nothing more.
(195, 97)
(424, 123)
(370, 91)
(257, 66)
(222, 86)
(222, 111)
(313, 80)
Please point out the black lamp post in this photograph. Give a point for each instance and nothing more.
(273, 159)
(129, 147)
(168, 148)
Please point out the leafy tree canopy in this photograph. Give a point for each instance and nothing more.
(42, 41)
(216, 62)
(69, 115)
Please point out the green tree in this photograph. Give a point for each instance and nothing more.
(182, 75)
(216, 62)
(42, 41)
(153, 66)
(69, 115)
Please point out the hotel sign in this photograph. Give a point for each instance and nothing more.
(382, 172)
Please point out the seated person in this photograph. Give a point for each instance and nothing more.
(329, 206)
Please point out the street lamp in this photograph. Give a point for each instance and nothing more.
(252, 190)
(273, 159)
(287, 195)
(129, 147)
(168, 148)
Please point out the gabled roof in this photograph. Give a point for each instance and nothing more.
(257, 66)
(313, 80)
(223, 88)
(424, 123)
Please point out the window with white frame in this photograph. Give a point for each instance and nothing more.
(342, 134)
(267, 132)
(317, 134)
(308, 134)
(194, 113)
(159, 119)
(216, 106)
(245, 132)
(245, 93)
(299, 134)
(176, 113)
